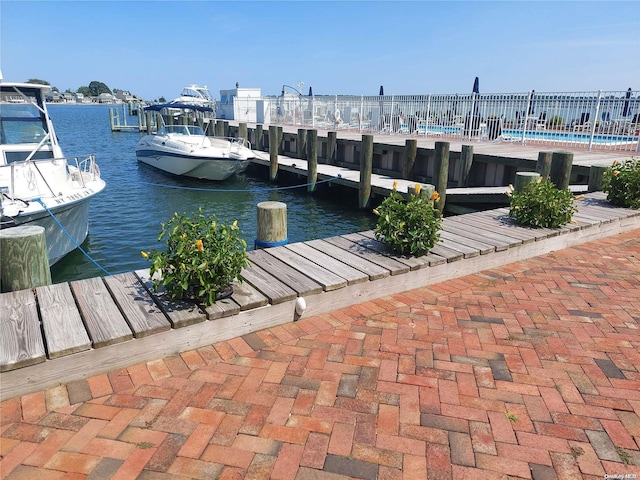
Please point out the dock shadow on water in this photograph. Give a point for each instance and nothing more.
(127, 216)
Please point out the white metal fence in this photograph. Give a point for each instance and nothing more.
(585, 120)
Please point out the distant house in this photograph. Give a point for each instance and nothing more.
(125, 96)
(79, 97)
(69, 97)
(106, 98)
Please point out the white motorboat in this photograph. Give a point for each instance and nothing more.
(195, 95)
(188, 150)
(38, 184)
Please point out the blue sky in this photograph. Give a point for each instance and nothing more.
(154, 48)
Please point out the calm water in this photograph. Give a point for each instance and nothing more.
(126, 216)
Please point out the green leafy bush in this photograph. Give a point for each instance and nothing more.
(621, 181)
(408, 227)
(202, 259)
(541, 204)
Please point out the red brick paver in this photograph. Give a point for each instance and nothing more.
(531, 370)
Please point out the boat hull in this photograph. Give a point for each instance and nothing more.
(74, 218)
(206, 168)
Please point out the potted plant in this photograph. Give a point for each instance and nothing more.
(621, 182)
(408, 226)
(202, 259)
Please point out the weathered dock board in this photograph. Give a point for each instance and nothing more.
(100, 324)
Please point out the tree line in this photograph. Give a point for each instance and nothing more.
(94, 88)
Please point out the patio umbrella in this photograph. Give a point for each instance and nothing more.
(533, 93)
(381, 90)
(476, 90)
(627, 102)
(310, 92)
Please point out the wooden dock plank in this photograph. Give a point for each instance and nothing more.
(222, 308)
(350, 274)
(21, 341)
(286, 274)
(445, 252)
(476, 232)
(64, 331)
(276, 291)
(103, 320)
(507, 226)
(142, 314)
(368, 239)
(180, 313)
(470, 248)
(328, 280)
(500, 216)
(247, 296)
(373, 270)
(395, 267)
(482, 247)
(429, 258)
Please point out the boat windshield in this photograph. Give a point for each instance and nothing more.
(196, 93)
(181, 130)
(20, 122)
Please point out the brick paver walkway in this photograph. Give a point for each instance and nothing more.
(531, 370)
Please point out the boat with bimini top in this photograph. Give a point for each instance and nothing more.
(38, 184)
(183, 147)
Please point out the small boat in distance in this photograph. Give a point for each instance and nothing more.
(195, 95)
(184, 148)
(38, 184)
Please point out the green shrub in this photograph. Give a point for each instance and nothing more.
(408, 227)
(541, 204)
(621, 181)
(202, 259)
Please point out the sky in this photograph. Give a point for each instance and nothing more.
(155, 48)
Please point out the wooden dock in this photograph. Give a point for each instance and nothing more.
(70, 331)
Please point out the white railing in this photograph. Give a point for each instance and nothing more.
(584, 120)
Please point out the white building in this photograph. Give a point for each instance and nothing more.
(241, 104)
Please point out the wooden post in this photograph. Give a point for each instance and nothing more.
(279, 140)
(242, 131)
(596, 175)
(560, 172)
(523, 179)
(272, 224)
(301, 143)
(332, 146)
(226, 128)
(219, 128)
(466, 159)
(441, 172)
(426, 190)
(312, 159)
(273, 152)
(543, 166)
(409, 157)
(366, 166)
(259, 133)
(23, 256)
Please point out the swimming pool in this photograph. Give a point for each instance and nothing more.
(539, 135)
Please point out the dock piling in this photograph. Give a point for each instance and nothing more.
(23, 255)
(543, 165)
(596, 175)
(441, 172)
(301, 143)
(259, 144)
(560, 171)
(273, 152)
(466, 159)
(523, 179)
(366, 167)
(312, 160)
(272, 224)
(409, 157)
(332, 144)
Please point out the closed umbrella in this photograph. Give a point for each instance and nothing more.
(627, 103)
(533, 93)
(381, 90)
(476, 90)
(310, 92)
